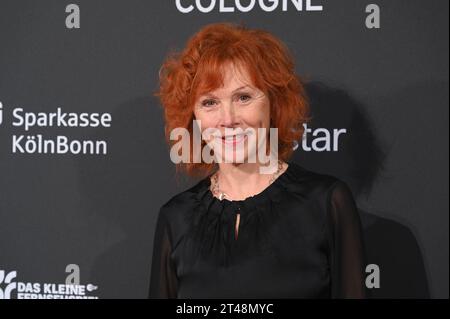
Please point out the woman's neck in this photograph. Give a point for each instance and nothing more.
(243, 180)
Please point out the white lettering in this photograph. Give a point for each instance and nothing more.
(206, 6)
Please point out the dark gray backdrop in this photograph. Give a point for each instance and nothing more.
(388, 87)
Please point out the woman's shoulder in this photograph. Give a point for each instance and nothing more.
(321, 191)
(177, 212)
(300, 179)
(184, 201)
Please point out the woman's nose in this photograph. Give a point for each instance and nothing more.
(228, 115)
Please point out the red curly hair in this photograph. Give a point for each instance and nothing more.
(186, 75)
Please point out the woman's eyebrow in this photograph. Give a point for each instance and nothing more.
(209, 95)
(213, 96)
(242, 87)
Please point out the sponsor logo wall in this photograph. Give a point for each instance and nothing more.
(84, 167)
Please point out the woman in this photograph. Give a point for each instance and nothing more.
(241, 233)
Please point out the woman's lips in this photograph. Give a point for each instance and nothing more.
(234, 140)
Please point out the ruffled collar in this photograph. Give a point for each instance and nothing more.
(213, 221)
(250, 204)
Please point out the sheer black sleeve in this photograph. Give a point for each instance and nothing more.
(347, 256)
(163, 279)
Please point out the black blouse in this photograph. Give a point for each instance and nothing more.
(300, 237)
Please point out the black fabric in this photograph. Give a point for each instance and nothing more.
(299, 238)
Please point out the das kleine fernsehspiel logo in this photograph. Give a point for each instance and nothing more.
(11, 288)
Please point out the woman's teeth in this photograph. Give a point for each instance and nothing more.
(233, 139)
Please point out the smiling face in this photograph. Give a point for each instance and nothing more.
(236, 110)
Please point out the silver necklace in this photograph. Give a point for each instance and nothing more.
(221, 195)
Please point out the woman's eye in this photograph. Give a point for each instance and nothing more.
(208, 103)
(246, 97)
